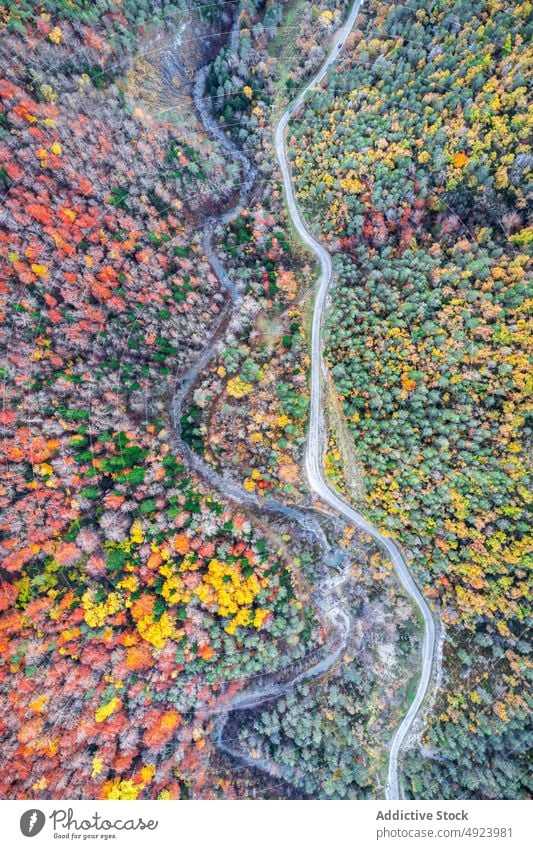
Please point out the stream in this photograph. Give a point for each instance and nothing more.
(319, 661)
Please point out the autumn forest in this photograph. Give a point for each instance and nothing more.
(183, 613)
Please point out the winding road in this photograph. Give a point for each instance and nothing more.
(317, 663)
(315, 440)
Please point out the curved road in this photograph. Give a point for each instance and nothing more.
(315, 442)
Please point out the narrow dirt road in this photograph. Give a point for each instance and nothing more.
(267, 687)
(315, 440)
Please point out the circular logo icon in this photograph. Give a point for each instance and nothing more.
(32, 822)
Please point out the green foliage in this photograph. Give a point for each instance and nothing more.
(414, 159)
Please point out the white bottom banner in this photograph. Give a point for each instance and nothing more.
(262, 824)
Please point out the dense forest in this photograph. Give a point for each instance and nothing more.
(136, 600)
(414, 158)
(130, 592)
